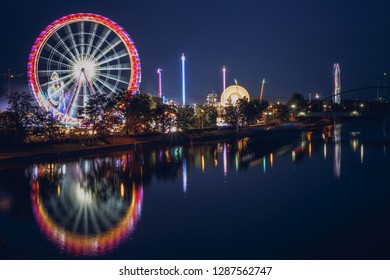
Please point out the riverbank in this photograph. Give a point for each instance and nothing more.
(81, 146)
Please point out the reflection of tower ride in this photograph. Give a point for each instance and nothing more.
(337, 150)
(81, 217)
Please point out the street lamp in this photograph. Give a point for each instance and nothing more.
(202, 117)
(293, 110)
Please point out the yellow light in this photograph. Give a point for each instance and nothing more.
(122, 190)
(271, 159)
(59, 190)
(202, 163)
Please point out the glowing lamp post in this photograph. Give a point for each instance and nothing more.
(293, 106)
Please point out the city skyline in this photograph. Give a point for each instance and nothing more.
(293, 46)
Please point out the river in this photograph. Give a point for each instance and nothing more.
(324, 195)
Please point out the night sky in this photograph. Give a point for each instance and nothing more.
(293, 44)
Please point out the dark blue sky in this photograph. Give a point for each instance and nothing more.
(293, 44)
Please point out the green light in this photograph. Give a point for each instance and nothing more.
(264, 164)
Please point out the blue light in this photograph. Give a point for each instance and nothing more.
(183, 58)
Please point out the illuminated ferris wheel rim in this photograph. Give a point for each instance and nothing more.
(51, 29)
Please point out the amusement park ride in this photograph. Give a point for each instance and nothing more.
(77, 56)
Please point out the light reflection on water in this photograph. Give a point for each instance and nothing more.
(85, 208)
(92, 206)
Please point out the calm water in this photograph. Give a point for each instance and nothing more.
(325, 195)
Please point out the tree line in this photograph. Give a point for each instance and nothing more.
(121, 113)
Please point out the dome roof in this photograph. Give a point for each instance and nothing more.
(234, 92)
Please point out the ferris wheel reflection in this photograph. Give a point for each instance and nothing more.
(87, 207)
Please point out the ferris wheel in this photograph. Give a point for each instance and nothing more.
(78, 56)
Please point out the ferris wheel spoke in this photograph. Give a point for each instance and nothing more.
(78, 217)
(81, 36)
(115, 78)
(91, 39)
(105, 84)
(68, 30)
(59, 80)
(98, 89)
(85, 99)
(67, 83)
(118, 55)
(49, 72)
(59, 54)
(110, 47)
(101, 41)
(74, 95)
(63, 44)
(119, 67)
(94, 220)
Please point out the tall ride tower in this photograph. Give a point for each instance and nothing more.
(159, 70)
(183, 78)
(337, 84)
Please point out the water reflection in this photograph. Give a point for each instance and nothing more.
(85, 207)
(90, 207)
(337, 150)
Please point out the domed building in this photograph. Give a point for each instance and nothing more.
(233, 92)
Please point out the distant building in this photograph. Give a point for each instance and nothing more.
(212, 99)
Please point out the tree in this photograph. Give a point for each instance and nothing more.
(23, 113)
(185, 118)
(9, 128)
(94, 115)
(165, 117)
(296, 102)
(281, 112)
(250, 111)
(211, 115)
(138, 112)
(205, 116)
(51, 127)
(232, 114)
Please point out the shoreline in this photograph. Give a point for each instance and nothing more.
(27, 153)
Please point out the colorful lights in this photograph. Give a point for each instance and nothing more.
(80, 244)
(223, 78)
(262, 90)
(183, 79)
(336, 84)
(80, 65)
(159, 70)
(184, 175)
